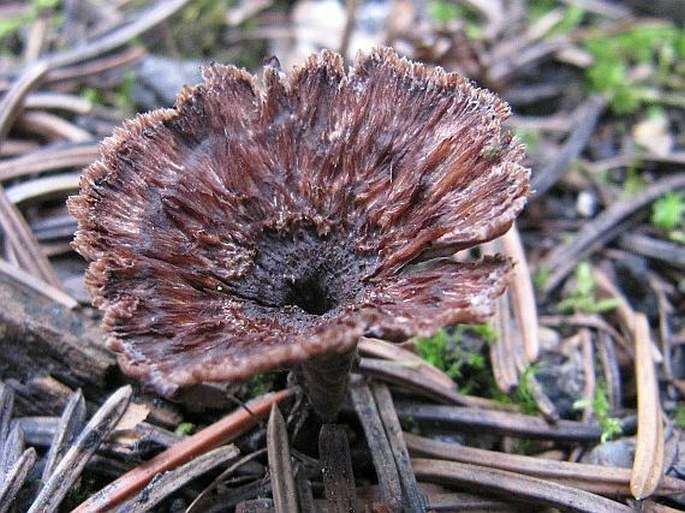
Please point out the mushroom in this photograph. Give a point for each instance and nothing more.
(250, 229)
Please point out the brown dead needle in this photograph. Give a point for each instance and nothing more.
(246, 230)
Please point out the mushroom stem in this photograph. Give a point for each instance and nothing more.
(325, 381)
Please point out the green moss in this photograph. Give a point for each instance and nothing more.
(524, 396)
(445, 351)
(582, 297)
(573, 17)
(261, 384)
(12, 24)
(680, 417)
(460, 353)
(668, 211)
(634, 183)
(615, 55)
(538, 8)
(611, 426)
(541, 277)
(201, 27)
(184, 429)
(530, 138)
(526, 446)
(76, 495)
(44, 4)
(409, 424)
(123, 99)
(443, 12)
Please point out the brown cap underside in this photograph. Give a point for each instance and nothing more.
(210, 225)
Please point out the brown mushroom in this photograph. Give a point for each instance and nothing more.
(246, 230)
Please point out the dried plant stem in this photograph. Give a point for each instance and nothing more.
(283, 487)
(169, 482)
(50, 100)
(325, 381)
(71, 155)
(381, 349)
(198, 503)
(585, 124)
(12, 102)
(36, 284)
(6, 409)
(513, 424)
(649, 446)
(144, 21)
(416, 380)
(219, 433)
(24, 243)
(70, 424)
(504, 357)
(16, 477)
(381, 451)
(600, 479)
(652, 247)
(52, 127)
(41, 187)
(515, 485)
(413, 499)
(351, 8)
(336, 469)
(69, 468)
(12, 222)
(602, 229)
(522, 294)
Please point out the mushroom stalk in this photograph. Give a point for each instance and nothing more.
(325, 381)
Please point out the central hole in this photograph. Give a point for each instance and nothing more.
(310, 295)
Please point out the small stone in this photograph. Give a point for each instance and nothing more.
(586, 204)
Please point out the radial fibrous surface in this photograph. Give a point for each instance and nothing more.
(252, 228)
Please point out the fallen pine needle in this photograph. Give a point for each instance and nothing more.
(649, 445)
(221, 432)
